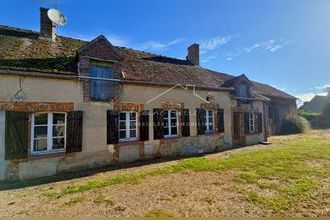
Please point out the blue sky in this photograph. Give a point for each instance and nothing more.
(282, 43)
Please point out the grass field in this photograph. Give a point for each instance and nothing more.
(291, 177)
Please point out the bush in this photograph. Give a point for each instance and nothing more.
(326, 114)
(294, 125)
(312, 117)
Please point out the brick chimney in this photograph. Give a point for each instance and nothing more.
(193, 54)
(47, 27)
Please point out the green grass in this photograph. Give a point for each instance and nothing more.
(158, 214)
(284, 170)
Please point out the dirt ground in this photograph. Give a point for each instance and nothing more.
(193, 194)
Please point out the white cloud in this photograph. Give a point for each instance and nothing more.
(207, 59)
(117, 40)
(306, 97)
(322, 87)
(266, 46)
(317, 90)
(159, 46)
(214, 43)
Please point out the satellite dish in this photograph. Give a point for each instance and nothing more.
(57, 17)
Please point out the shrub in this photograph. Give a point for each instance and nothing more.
(326, 114)
(312, 117)
(309, 115)
(294, 125)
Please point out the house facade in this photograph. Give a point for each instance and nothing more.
(316, 104)
(68, 104)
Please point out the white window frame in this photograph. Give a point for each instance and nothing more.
(207, 122)
(252, 126)
(170, 135)
(128, 126)
(49, 133)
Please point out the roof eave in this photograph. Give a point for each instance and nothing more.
(228, 89)
(61, 75)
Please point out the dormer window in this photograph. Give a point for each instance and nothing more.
(101, 87)
(242, 91)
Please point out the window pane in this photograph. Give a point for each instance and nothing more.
(166, 131)
(58, 118)
(133, 116)
(165, 122)
(210, 113)
(173, 122)
(58, 143)
(122, 125)
(211, 127)
(58, 130)
(40, 132)
(40, 145)
(132, 124)
(242, 91)
(174, 130)
(165, 114)
(101, 89)
(173, 114)
(210, 119)
(122, 116)
(132, 133)
(41, 119)
(122, 134)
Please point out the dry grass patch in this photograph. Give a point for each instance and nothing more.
(290, 177)
(158, 214)
(282, 170)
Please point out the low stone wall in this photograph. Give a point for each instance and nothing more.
(32, 168)
(36, 167)
(184, 146)
(254, 139)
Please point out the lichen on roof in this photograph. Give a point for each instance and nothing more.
(24, 50)
(21, 49)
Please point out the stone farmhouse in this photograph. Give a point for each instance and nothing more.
(68, 104)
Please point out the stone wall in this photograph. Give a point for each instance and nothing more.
(95, 151)
(3, 168)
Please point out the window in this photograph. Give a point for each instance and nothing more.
(127, 126)
(209, 120)
(242, 91)
(170, 123)
(251, 122)
(48, 132)
(101, 90)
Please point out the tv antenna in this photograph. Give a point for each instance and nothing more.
(57, 17)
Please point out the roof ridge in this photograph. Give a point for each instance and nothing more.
(18, 29)
(6, 27)
(149, 53)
